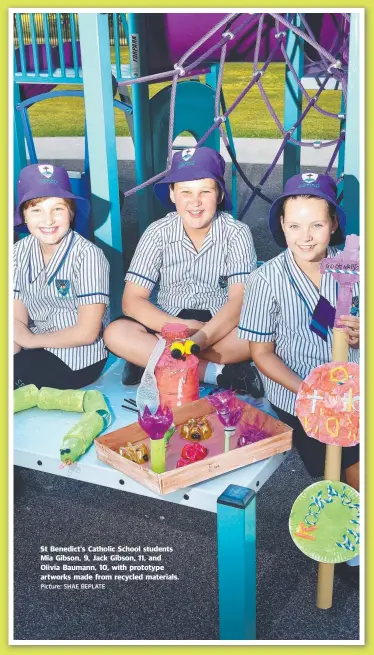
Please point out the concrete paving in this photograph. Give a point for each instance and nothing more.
(248, 151)
(51, 510)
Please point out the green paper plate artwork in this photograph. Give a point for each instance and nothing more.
(325, 522)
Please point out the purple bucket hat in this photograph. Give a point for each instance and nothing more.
(46, 181)
(193, 164)
(306, 184)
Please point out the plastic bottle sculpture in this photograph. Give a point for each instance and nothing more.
(177, 371)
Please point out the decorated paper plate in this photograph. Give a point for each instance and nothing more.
(325, 522)
(328, 404)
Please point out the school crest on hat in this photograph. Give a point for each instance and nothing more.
(188, 153)
(46, 170)
(309, 177)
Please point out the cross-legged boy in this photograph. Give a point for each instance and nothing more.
(200, 257)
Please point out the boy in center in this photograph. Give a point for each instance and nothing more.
(201, 258)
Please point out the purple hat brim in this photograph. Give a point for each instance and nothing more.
(162, 192)
(274, 216)
(83, 205)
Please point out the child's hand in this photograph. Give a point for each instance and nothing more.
(352, 328)
(22, 335)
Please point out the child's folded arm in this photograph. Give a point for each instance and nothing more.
(263, 355)
(136, 304)
(20, 312)
(84, 332)
(224, 321)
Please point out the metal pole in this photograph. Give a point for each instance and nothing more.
(19, 140)
(236, 526)
(293, 101)
(141, 120)
(101, 140)
(354, 121)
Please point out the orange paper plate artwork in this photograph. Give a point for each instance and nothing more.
(328, 404)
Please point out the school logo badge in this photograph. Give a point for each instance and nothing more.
(188, 153)
(63, 287)
(46, 170)
(223, 281)
(309, 177)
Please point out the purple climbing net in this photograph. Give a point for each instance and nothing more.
(333, 66)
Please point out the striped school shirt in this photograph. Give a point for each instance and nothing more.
(191, 279)
(279, 300)
(77, 274)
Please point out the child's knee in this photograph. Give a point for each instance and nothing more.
(120, 334)
(112, 332)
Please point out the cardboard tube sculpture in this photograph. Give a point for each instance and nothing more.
(96, 416)
(25, 397)
(68, 400)
(81, 436)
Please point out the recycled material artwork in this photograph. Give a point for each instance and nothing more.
(79, 438)
(328, 404)
(196, 429)
(137, 453)
(229, 412)
(345, 269)
(192, 452)
(175, 473)
(251, 432)
(156, 425)
(177, 370)
(325, 522)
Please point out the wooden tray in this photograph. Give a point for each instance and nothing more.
(215, 463)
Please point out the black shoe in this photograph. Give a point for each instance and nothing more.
(132, 374)
(348, 574)
(243, 378)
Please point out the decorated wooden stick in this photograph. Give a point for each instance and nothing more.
(345, 268)
(327, 405)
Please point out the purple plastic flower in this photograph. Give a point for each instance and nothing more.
(251, 432)
(221, 399)
(229, 411)
(155, 425)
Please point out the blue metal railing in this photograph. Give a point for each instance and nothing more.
(47, 48)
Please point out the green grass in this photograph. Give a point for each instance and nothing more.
(65, 116)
